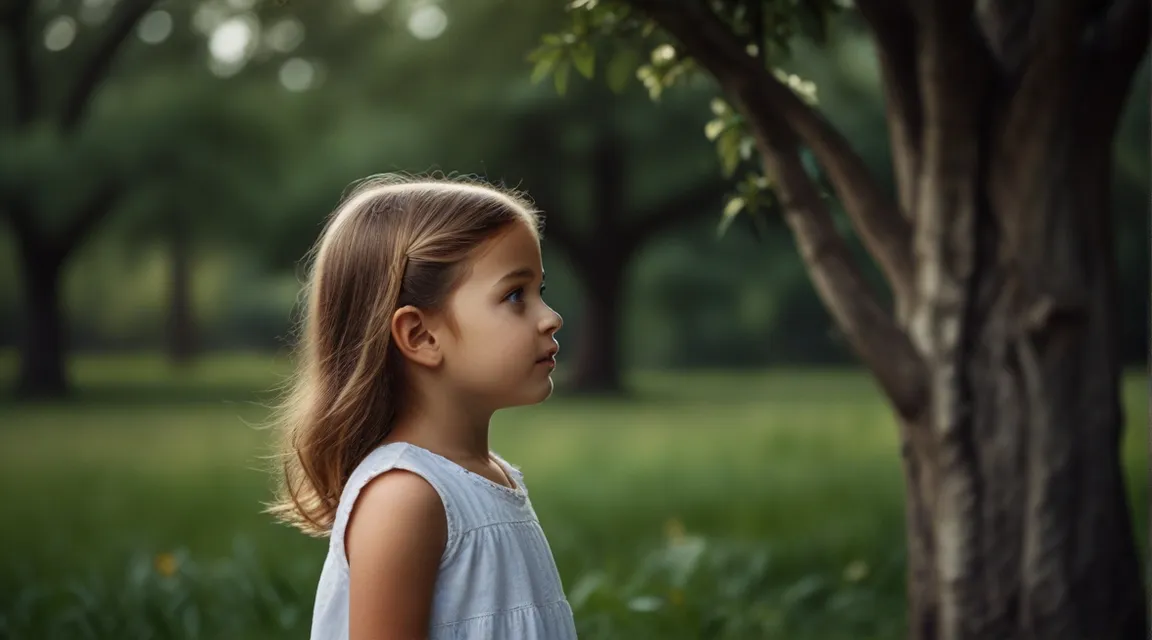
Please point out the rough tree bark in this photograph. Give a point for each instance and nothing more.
(44, 254)
(1000, 358)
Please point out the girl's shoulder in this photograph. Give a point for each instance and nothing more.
(378, 495)
(468, 499)
(388, 457)
(397, 510)
(382, 458)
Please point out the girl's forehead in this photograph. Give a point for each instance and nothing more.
(515, 248)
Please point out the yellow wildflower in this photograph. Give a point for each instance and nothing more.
(166, 564)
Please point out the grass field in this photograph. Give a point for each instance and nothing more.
(741, 505)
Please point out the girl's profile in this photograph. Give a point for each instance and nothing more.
(424, 316)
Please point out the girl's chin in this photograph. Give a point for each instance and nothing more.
(537, 391)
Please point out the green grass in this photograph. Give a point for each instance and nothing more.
(743, 505)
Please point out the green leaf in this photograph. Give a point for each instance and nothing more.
(747, 146)
(714, 128)
(663, 54)
(545, 65)
(731, 210)
(734, 206)
(584, 59)
(560, 76)
(729, 148)
(622, 68)
(652, 80)
(541, 52)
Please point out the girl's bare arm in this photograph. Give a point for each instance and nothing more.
(394, 541)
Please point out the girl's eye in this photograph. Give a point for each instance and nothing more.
(516, 295)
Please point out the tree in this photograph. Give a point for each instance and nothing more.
(602, 254)
(998, 354)
(190, 193)
(57, 135)
(44, 251)
(603, 238)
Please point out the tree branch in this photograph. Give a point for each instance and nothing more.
(94, 209)
(952, 81)
(679, 207)
(1058, 70)
(894, 31)
(20, 218)
(882, 346)
(885, 232)
(16, 22)
(1124, 29)
(1114, 54)
(756, 18)
(1005, 25)
(99, 63)
(1119, 44)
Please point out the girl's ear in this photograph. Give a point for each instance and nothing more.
(413, 337)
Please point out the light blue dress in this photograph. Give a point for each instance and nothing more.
(498, 579)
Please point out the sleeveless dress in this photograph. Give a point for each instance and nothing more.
(497, 580)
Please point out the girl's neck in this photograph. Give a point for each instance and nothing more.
(444, 428)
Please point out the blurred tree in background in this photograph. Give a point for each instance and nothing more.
(256, 115)
(84, 142)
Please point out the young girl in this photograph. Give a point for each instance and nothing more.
(424, 317)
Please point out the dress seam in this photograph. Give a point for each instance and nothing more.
(489, 525)
(522, 607)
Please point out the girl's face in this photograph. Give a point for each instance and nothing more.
(502, 351)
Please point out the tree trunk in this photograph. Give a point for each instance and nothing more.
(601, 266)
(42, 348)
(1017, 516)
(1001, 360)
(181, 318)
(597, 368)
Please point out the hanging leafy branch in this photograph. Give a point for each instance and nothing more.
(630, 47)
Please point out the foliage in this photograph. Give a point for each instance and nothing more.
(723, 505)
(623, 34)
(262, 165)
(686, 588)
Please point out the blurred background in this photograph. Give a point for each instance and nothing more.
(713, 460)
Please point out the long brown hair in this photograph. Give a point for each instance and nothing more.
(392, 241)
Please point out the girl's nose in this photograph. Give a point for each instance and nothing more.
(552, 322)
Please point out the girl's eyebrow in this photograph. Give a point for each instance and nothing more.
(522, 272)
